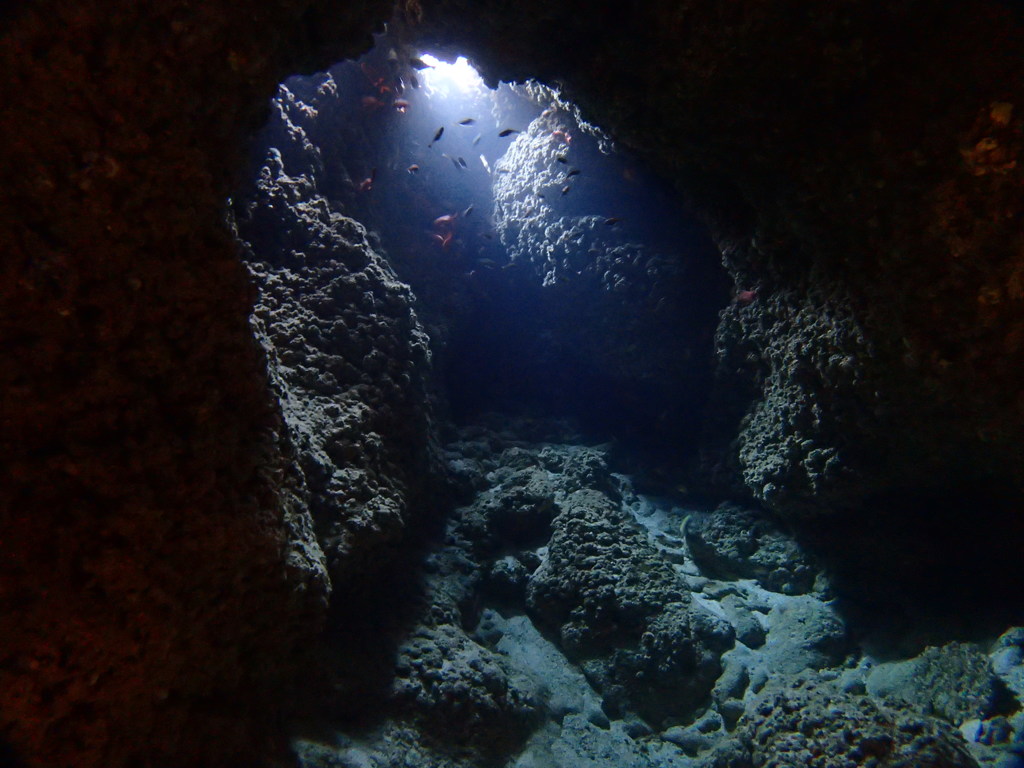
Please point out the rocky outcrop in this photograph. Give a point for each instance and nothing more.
(348, 361)
(615, 265)
(566, 620)
(733, 542)
(810, 723)
(623, 615)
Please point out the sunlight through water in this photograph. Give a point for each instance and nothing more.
(445, 79)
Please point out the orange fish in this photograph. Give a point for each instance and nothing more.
(367, 184)
(745, 297)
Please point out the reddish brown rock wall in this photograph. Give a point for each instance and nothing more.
(154, 597)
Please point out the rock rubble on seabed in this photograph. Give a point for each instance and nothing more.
(573, 622)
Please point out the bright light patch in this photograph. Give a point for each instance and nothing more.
(445, 79)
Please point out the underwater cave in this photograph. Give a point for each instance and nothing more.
(473, 386)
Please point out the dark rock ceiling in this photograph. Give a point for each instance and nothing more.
(857, 163)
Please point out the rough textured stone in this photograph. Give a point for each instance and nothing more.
(622, 612)
(348, 360)
(164, 586)
(734, 542)
(605, 287)
(858, 163)
(812, 724)
(1007, 660)
(954, 682)
(465, 692)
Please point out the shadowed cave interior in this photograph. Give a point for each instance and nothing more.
(649, 399)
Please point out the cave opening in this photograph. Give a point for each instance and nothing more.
(555, 275)
(217, 523)
(435, 256)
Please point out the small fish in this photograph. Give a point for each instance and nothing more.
(371, 103)
(487, 263)
(443, 240)
(562, 159)
(477, 139)
(414, 81)
(367, 184)
(487, 166)
(468, 211)
(401, 104)
(442, 222)
(507, 132)
(437, 136)
(746, 297)
(454, 161)
(565, 189)
(467, 121)
(611, 221)
(573, 172)
(462, 162)
(418, 63)
(413, 168)
(561, 136)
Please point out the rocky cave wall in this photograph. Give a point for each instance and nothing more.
(538, 301)
(160, 584)
(858, 165)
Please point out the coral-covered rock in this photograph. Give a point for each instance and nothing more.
(733, 542)
(348, 361)
(466, 693)
(810, 723)
(622, 612)
(160, 583)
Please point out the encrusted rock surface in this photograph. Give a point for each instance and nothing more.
(348, 361)
(733, 542)
(623, 614)
(564, 622)
(616, 266)
(810, 723)
(954, 682)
